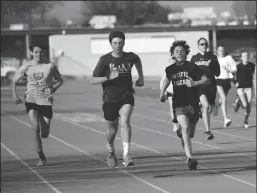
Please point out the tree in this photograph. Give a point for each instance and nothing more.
(242, 8)
(18, 11)
(127, 12)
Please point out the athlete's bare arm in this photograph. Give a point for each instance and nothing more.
(140, 81)
(99, 80)
(166, 83)
(57, 76)
(15, 80)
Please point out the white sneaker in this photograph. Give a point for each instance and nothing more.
(41, 162)
(246, 125)
(227, 123)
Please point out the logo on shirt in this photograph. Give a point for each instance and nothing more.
(204, 63)
(38, 75)
(180, 78)
(122, 68)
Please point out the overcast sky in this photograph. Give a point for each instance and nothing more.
(72, 9)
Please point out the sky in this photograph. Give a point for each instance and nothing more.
(71, 10)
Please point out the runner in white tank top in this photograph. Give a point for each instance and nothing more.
(227, 68)
(39, 95)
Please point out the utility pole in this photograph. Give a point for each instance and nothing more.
(28, 35)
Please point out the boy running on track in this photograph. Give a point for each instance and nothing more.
(113, 71)
(227, 68)
(39, 95)
(185, 77)
(169, 93)
(210, 65)
(243, 80)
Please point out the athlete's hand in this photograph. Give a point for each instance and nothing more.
(51, 99)
(163, 98)
(18, 101)
(114, 74)
(236, 85)
(139, 82)
(190, 82)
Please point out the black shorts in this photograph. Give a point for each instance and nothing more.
(224, 83)
(111, 110)
(190, 111)
(210, 93)
(43, 110)
(169, 94)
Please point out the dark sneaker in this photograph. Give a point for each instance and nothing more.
(236, 105)
(192, 163)
(112, 160)
(127, 160)
(209, 135)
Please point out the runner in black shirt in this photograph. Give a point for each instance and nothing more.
(113, 71)
(208, 62)
(185, 77)
(243, 80)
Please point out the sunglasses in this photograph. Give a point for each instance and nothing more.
(204, 44)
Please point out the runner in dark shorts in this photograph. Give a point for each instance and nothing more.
(39, 95)
(208, 62)
(113, 71)
(185, 77)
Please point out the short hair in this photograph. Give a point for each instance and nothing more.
(33, 45)
(202, 38)
(115, 34)
(181, 43)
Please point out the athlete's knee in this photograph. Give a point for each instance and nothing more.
(124, 122)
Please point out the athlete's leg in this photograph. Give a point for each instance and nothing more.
(242, 97)
(44, 124)
(223, 101)
(172, 115)
(33, 116)
(205, 113)
(112, 128)
(126, 132)
(249, 96)
(111, 115)
(184, 124)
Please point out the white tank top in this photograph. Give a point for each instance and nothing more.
(227, 66)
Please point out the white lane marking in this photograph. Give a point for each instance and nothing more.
(32, 170)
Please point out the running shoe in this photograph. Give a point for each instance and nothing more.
(209, 135)
(227, 123)
(111, 159)
(41, 162)
(192, 163)
(246, 125)
(127, 160)
(236, 105)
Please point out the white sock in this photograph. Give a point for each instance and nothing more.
(126, 148)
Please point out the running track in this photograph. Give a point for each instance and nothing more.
(76, 149)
